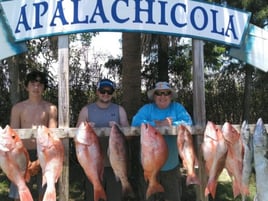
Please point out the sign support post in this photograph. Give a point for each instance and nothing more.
(63, 107)
(199, 110)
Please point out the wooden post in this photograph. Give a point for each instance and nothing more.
(199, 110)
(63, 111)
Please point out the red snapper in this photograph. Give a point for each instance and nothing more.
(154, 153)
(14, 160)
(50, 153)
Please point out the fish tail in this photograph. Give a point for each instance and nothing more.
(192, 179)
(50, 194)
(211, 188)
(99, 194)
(127, 190)
(25, 195)
(154, 188)
(245, 190)
(236, 190)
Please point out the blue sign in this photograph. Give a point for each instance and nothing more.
(30, 19)
(254, 48)
(8, 46)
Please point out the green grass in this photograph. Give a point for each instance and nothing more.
(225, 192)
(224, 188)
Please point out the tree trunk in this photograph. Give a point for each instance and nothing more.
(247, 93)
(131, 81)
(131, 73)
(163, 58)
(16, 74)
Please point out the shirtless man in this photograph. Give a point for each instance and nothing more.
(33, 112)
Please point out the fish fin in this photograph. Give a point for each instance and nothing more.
(99, 194)
(236, 188)
(192, 179)
(50, 194)
(127, 190)
(245, 190)
(25, 195)
(44, 181)
(34, 167)
(154, 188)
(4, 149)
(211, 188)
(27, 176)
(207, 191)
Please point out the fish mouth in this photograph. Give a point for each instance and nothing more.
(144, 125)
(4, 148)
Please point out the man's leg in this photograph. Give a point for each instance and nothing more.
(112, 187)
(171, 181)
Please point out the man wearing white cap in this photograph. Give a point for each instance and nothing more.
(163, 111)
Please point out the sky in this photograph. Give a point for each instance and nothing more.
(108, 43)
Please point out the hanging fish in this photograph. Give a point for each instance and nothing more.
(260, 146)
(14, 160)
(50, 152)
(215, 146)
(90, 157)
(246, 137)
(187, 153)
(154, 153)
(118, 156)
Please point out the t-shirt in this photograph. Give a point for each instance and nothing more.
(101, 117)
(150, 112)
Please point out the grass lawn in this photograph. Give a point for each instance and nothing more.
(224, 190)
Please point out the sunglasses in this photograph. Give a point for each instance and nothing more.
(160, 93)
(103, 91)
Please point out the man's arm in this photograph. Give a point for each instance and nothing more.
(15, 117)
(83, 116)
(123, 117)
(143, 116)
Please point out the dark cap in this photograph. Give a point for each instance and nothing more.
(38, 77)
(106, 83)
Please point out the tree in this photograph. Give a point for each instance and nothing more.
(131, 72)
(131, 80)
(5, 103)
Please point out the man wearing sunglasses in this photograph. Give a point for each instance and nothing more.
(104, 113)
(164, 111)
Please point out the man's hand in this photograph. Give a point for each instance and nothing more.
(166, 122)
(34, 167)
